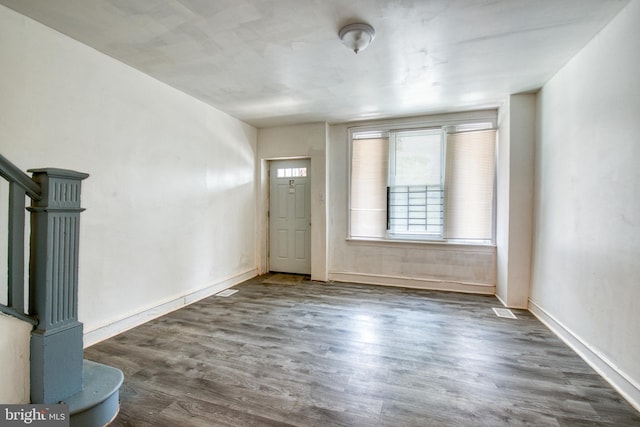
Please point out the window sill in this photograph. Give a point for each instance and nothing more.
(481, 247)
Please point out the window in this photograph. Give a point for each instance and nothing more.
(425, 182)
(291, 172)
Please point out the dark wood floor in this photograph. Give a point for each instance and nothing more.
(353, 355)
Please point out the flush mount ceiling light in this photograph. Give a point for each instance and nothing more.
(357, 36)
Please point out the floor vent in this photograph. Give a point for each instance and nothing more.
(504, 312)
(226, 293)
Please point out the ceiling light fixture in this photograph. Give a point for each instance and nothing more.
(357, 36)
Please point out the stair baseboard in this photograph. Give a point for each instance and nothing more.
(99, 401)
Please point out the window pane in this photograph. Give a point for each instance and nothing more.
(415, 210)
(415, 182)
(418, 158)
(291, 172)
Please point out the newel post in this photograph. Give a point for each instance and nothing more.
(56, 343)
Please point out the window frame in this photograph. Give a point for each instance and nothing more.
(458, 122)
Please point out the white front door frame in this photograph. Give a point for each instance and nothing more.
(319, 243)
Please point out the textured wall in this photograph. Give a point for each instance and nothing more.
(14, 360)
(171, 196)
(586, 273)
(514, 221)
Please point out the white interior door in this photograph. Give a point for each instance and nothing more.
(290, 216)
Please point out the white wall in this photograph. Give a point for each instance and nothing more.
(171, 199)
(15, 337)
(466, 268)
(503, 169)
(309, 141)
(586, 269)
(514, 222)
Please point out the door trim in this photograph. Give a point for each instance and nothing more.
(320, 229)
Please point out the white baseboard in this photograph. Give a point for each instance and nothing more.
(517, 307)
(627, 387)
(107, 331)
(416, 283)
(501, 300)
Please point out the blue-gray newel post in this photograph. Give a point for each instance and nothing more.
(56, 344)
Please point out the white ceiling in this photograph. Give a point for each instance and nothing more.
(274, 62)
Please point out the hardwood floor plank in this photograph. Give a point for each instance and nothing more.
(195, 412)
(353, 355)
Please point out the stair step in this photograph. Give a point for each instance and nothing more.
(99, 401)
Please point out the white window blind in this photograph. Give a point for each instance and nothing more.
(469, 185)
(369, 166)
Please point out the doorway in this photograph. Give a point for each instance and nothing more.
(290, 216)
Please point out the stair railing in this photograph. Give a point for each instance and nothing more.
(20, 186)
(56, 362)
